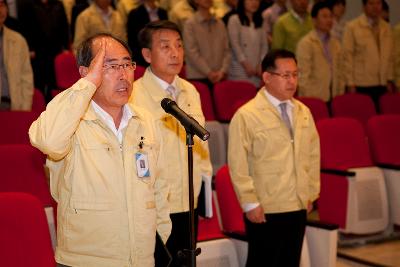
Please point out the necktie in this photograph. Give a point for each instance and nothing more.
(172, 92)
(285, 117)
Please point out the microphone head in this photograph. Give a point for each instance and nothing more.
(166, 103)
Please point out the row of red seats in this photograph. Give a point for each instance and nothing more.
(353, 191)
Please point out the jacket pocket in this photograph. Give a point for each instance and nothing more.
(95, 229)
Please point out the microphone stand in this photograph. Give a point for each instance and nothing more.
(189, 255)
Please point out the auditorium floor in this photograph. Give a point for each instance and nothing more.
(381, 254)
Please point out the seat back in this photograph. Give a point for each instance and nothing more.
(206, 101)
(383, 136)
(343, 144)
(230, 210)
(66, 70)
(217, 144)
(209, 228)
(15, 126)
(357, 106)
(317, 106)
(25, 238)
(389, 103)
(229, 96)
(22, 171)
(38, 101)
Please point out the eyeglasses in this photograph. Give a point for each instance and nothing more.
(114, 68)
(286, 76)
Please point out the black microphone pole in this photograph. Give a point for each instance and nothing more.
(188, 256)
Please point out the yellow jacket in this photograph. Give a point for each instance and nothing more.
(19, 71)
(89, 22)
(316, 76)
(265, 166)
(107, 215)
(396, 34)
(366, 63)
(147, 93)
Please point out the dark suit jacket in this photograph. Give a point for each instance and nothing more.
(137, 19)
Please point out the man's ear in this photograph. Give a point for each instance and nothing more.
(146, 53)
(83, 71)
(265, 77)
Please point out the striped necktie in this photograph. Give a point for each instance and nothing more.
(285, 117)
(172, 92)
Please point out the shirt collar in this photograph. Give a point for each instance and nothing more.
(296, 16)
(101, 12)
(164, 85)
(275, 101)
(323, 36)
(202, 19)
(149, 9)
(126, 115)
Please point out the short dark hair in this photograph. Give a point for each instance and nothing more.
(84, 53)
(364, 2)
(146, 34)
(318, 6)
(269, 61)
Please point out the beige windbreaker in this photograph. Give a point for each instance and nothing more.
(265, 166)
(19, 70)
(107, 215)
(367, 63)
(147, 93)
(317, 76)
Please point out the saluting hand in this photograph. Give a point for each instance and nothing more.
(95, 69)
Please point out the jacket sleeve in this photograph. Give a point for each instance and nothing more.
(80, 31)
(234, 27)
(348, 52)
(396, 37)
(315, 164)
(161, 191)
(278, 39)
(192, 50)
(26, 77)
(239, 147)
(52, 132)
(303, 55)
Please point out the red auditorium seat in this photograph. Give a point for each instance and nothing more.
(216, 249)
(15, 126)
(66, 70)
(353, 193)
(209, 228)
(354, 105)
(230, 210)
(206, 101)
(38, 102)
(389, 103)
(317, 106)
(24, 234)
(229, 96)
(22, 171)
(383, 136)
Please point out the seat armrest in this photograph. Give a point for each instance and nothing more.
(338, 172)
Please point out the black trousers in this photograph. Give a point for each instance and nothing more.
(278, 242)
(180, 235)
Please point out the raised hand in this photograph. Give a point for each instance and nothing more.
(95, 69)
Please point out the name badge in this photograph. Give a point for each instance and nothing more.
(142, 165)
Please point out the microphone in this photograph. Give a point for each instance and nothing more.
(187, 121)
